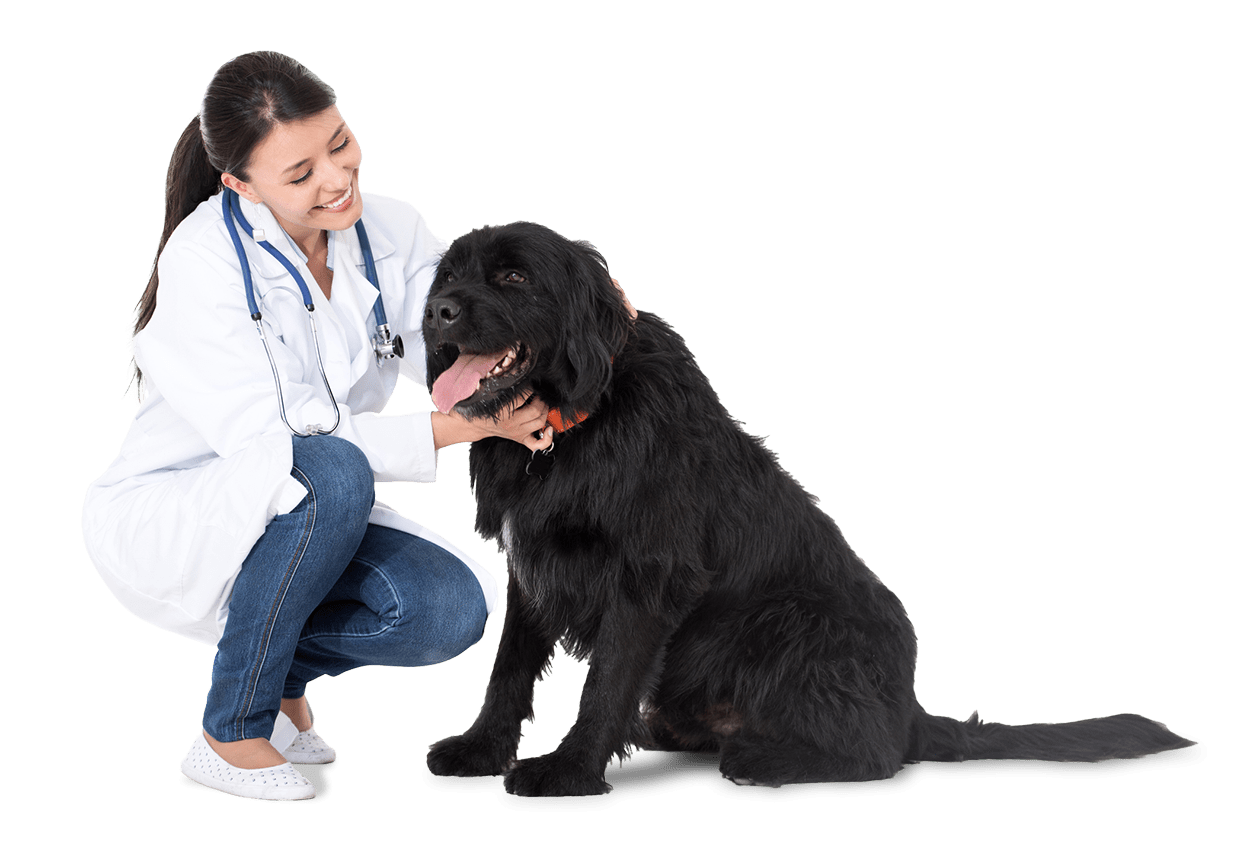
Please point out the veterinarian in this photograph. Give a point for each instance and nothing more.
(241, 509)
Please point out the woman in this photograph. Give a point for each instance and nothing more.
(216, 521)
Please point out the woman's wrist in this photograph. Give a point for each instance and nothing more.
(452, 429)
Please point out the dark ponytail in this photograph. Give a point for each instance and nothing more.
(191, 179)
(246, 97)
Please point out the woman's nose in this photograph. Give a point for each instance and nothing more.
(335, 183)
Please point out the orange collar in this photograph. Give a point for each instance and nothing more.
(561, 424)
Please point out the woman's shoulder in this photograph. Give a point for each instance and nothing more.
(199, 255)
(386, 208)
(401, 224)
(200, 237)
(394, 216)
(202, 225)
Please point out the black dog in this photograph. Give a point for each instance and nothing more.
(720, 608)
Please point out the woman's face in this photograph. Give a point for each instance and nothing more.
(307, 173)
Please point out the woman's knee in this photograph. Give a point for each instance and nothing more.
(469, 622)
(450, 614)
(337, 474)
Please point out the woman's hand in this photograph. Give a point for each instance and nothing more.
(633, 314)
(526, 417)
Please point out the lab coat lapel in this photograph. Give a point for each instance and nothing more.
(382, 249)
(355, 303)
(350, 267)
(263, 263)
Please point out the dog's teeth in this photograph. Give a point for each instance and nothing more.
(501, 367)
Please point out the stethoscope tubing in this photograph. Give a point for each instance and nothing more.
(309, 429)
(384, 344)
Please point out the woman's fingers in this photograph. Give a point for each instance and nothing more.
(525, 421)
(543, 440)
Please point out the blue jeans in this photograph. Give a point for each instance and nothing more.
(324, 591)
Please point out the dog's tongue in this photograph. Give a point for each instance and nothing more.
(458, 382)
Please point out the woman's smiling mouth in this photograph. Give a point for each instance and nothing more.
(341, 204)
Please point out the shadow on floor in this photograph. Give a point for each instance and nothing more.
(650, 772)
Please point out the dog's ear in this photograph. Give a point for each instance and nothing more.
(598, 329)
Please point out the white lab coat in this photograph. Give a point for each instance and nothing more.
(207, 461)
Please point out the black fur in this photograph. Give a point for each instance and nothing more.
(720, 608)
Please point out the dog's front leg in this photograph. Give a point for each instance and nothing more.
(489, 746)
(626, 655)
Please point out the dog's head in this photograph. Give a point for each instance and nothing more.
(518, 307)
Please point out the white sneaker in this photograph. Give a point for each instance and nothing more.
(307, 747)
(274, 783)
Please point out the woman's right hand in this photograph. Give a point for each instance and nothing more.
(521, 422)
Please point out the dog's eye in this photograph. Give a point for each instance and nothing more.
(514, 278)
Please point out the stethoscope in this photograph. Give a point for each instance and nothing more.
(385, 345)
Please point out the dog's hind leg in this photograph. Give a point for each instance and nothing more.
(626, 657)
(822, 694)
(748, 759)
(489, 746)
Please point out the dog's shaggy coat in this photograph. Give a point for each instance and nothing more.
(720, 608)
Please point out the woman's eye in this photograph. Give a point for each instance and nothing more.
(308, 174)
(514, 278)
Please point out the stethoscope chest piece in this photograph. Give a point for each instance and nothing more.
(387, 346)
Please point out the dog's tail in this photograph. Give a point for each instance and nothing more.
(1122, 736)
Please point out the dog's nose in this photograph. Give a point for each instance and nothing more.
(441, 313)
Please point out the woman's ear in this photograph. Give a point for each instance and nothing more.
(240, 187)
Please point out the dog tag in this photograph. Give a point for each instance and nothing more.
(541, 461)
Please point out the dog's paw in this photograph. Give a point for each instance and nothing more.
(467, 757)
(740, 781)
(550, 776)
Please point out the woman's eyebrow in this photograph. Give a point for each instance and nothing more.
(299, 164)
